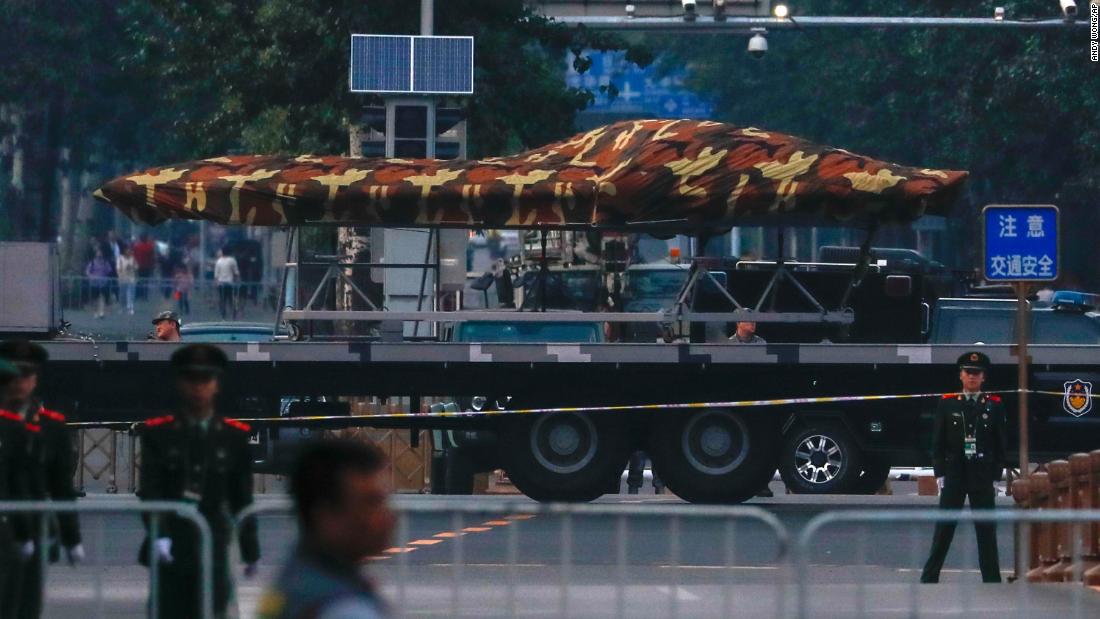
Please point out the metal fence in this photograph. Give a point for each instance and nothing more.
(840, 574)
(115, 577)
(486, 557)
(463, 557)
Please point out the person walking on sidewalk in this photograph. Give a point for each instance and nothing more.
(968, 453)
(98, 273)
(126, 267)
(184, 281)
(226, 275)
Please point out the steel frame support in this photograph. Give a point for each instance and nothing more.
(738, 24)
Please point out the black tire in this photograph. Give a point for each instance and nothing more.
(714, 455)
(564, 456)
(876, 470)
(820, 458)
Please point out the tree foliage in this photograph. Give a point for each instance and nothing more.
(1018, 109)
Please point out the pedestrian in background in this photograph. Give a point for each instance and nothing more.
(200, 457)
(127, 277)
(145, 253)
(342, 502)
(968, 453)
(226, 276)
(183, 281)
(49, 460)
(98, 273)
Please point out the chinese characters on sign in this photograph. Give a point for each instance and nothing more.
(1021, 243)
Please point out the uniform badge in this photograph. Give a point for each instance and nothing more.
(985, 415)
(1078, 397)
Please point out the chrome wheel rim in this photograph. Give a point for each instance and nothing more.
(818, 459)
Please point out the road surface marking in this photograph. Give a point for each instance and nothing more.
(476, 529)
(425, 542)
(519, 517)
(497, 523)
(448, 534)
(394, 551)
(681, 593)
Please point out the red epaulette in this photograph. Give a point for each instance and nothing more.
(6, 414)
(33, 427)
(995, 398)
(240, 425)
(159, 421)
(54, 415)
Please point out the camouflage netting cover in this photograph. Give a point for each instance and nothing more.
(657, 173)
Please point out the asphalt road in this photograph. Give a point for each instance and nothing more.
(502, 563)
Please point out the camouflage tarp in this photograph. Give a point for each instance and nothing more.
(663, 173)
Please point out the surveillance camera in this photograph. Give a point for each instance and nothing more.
(689, 9)
(1069, 9)
(758, 46)
(999, 13)
(630, 10)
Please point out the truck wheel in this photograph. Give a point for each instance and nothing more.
(564, 456)
(713, 456)
(875, 472)
(820, 459)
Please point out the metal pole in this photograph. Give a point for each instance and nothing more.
(744, 24)
(1022, 323)
(427, 17)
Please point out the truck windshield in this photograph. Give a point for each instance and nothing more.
(505, 332)
(655, 284)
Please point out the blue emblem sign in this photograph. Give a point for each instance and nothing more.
(1021, 243)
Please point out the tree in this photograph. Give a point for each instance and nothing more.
(1017, 109)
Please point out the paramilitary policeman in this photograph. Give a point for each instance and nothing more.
(49, 461)
(11, 483)
(195, 455)
(968, 452)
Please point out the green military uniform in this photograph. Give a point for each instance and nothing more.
(208, 463)
(314, 585)
(48, 464)
(968, 452)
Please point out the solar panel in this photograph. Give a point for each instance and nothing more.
(412, 64)
(381, 63)
(443, 65)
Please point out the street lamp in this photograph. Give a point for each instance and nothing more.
(781, 11)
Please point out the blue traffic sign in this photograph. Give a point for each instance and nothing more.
(1021, 243)
(647, 92)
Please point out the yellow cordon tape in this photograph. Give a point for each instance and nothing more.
(596, 409)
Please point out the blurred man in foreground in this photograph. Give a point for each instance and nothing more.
(341, 496)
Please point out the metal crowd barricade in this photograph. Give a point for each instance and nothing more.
(155, 510)
(877, 594)
(620, 585)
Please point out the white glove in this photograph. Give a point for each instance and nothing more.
(250, 569)
(75, 554)
(939, 483)
(163, 546)
(26, 549)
